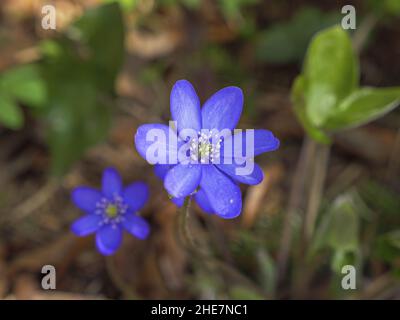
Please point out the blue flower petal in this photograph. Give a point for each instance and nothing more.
(223, 194)
(161, 170)
(86, 224)
(157, 143)
(264, 141)
(223, 109)
(85, 198)
(185, 106)
(178, 201)
(111, 183)
(108, 239)
(137, 226)
(135, 195)
(202, 201)
(255, 177)
(182, 179)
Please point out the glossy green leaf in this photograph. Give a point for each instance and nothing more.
(10, 114)
(298, 100)
(363, 106)
(330, 73)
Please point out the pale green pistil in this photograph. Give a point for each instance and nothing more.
(112, 211)
(205, 149)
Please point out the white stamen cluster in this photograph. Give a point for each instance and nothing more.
(104, 205)
(205, 148)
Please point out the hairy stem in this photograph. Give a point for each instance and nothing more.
(363, 31)
(316, 190)
(184, 223)
(295, 200)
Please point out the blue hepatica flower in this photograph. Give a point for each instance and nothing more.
(212, 178)
(111, 210)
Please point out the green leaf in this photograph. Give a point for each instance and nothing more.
(75, 122)
(341, 258)
(363, 106)
(101, 32)
(330, 73)
(287, 42)
(339, 227)
(10, 114)
(387, 246)
(25, 84)
(298, 100)
(80, 69)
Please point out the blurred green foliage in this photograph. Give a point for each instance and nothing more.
(386, 206)
(72, 85)
(126, 5)
(21, 84)
(79, 72)
(385, 7)
(339, 230)
(287, 42)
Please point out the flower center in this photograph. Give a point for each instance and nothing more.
(205, 148)
(112, 211)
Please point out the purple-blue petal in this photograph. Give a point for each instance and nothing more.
(222, 192)
(185, 106)
(157, 143)
(135, 195)
(137, 226)
(254, 177)
(86, 224)
(85, 198)
(203, 202)
(111, 183)
(161, 170)
(182, 180)
(178, 201)
(263, 141)
(108, 239)
(223, 109)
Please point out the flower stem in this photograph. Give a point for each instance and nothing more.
(128, 292)
(184, 225)
(296, 197)
(316, 190)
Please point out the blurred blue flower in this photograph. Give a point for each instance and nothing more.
(209, 177)
(111, 210)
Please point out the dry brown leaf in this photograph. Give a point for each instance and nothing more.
(256, 194)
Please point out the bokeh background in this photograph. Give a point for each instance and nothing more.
(72, 98)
